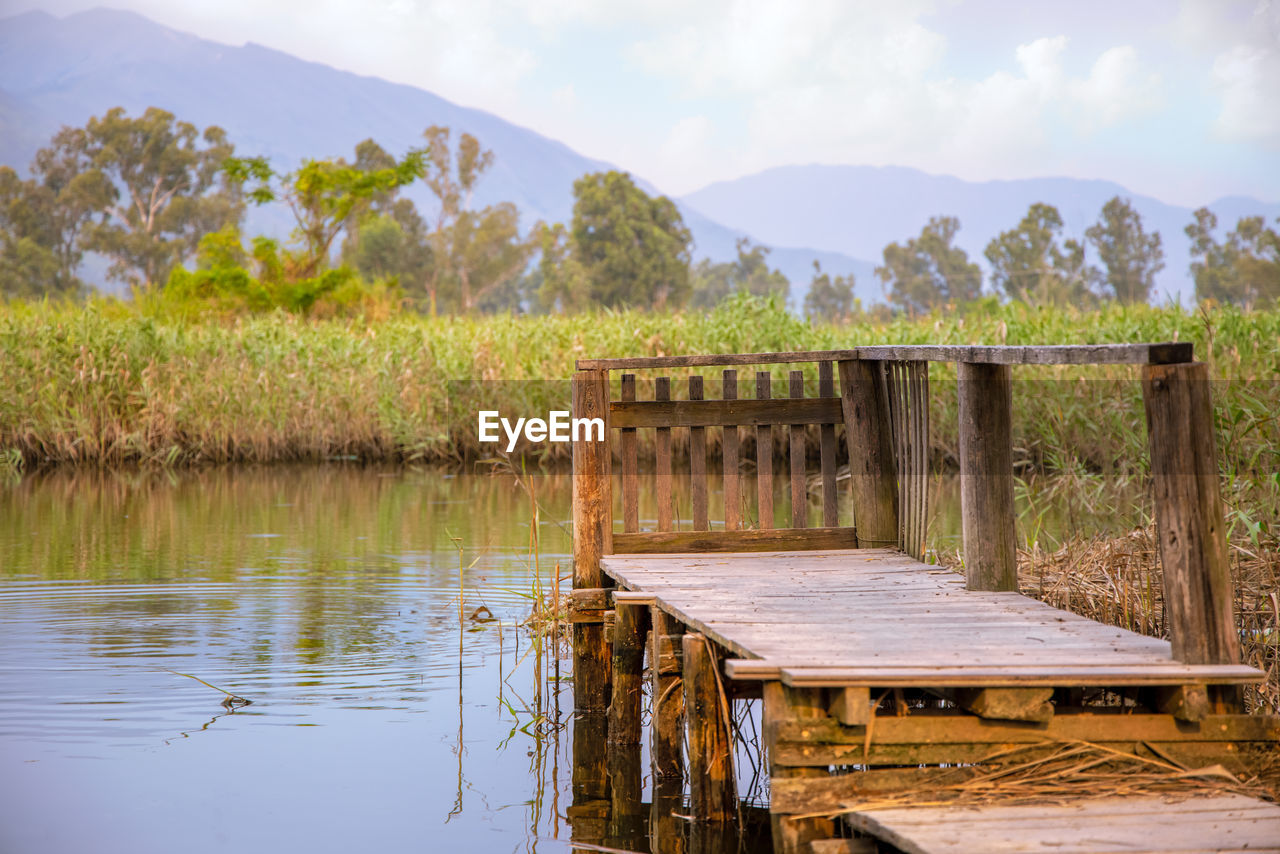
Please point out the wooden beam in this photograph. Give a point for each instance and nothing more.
(630, 628)
(865, 408)
(850, 706)
(711, 780)
(783, 706)
(1184, 702)
(986, 476)
(1051, 354)
(971, 676)
(716, 413)
(776, 539)
(666, 667)
(592, 535)
(1004, 704)
(1189, 515)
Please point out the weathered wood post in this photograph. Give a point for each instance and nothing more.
(666, 667)
(871, 463)
(782, 704)
(986, 476)
(711, 783)
(1190, 523)
(630, 629)
(592, 536)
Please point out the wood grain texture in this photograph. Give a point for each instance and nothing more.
(734, 541)
(796, 457)
(1189, 514)
(764, 458)
(868, 432)
(711, 779)
(986, 476)
(729, 454)
(827, 449)
(716, 413)
(628, 447)
(630, 629)
(592, 538)
(698, 462)
(666, 654)
(1053, 354)
(783, 705)
(662, 460)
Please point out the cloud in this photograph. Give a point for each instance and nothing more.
(1247, 79)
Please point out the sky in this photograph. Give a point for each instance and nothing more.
(1176, 99)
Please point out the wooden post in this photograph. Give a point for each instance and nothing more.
(665, 667)
(986, 476)
(666, 831)
(783, 704)
(1189, 516)
(871, 464)
(711, 783)
(630, 627)
(592, 536)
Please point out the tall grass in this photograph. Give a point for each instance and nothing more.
(102, 384)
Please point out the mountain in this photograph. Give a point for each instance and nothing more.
(62, 71)
(858, 210)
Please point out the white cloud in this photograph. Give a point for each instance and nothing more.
(1248, 81)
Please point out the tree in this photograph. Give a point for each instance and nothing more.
(1244, 270)
(749, 273)
(1028, 263)
(633, 248)
(1130, 255)
(928, 272)
(563, 284)
(323, 196)
(157, 183)
(828, 297)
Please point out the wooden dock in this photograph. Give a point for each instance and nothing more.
(878, 672)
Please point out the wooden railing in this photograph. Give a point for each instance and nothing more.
(882, 408)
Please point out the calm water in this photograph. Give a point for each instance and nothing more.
(329, 596)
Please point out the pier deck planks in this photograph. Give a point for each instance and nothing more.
(877, 617)
(1223, 823)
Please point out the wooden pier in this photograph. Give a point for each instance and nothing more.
(878, 673)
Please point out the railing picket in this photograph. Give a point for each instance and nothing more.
(630, 474)
(698, 462)
(729, 453)
(662, 459)
(799, 494)
(764, 458)
(827, 449)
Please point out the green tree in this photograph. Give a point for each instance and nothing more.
(829, 298)
(749, 273)
(1245, 269)
(928, 272)
(1030, 265)
(323, 196)
(563, 284)
(633, 248)
(162, 183)
(1130, 255)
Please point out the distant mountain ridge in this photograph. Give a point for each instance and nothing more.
(56, 71)
(858, 210)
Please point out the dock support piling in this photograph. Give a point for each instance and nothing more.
(666, 668)
(783, 704)
(986, 476)
(592, 537)
(711, 783)
(630, 628)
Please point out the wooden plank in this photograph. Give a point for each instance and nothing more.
(850, 706)
(729, 456)
(592, 535)
(783, 705)
(662, 459)
(827, 449)
(698, 461)
(1189, 515)
(923, 727)
(1192, 754)
(632, 597)
(978, 675)
(651, 542)
(986, 476)
(796, 455)
(630, 467)
(1001, 704)
(868, 433)
(1052, 354)
(1129, 823)
(828, 794)
(711, 779)
(764, 458)
(716, 413)
(631, 627)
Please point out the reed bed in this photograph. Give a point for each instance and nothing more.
(103, 384)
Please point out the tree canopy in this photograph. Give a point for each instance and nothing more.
(749, 273)
(1244, 269)
(829, 298)
(928, 272)
(1130, 255)
(1030, 264)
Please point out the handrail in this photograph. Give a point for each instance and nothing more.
(1162, 353)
